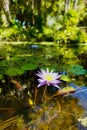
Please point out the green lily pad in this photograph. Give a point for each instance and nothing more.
(1, 76)
(29, 67)
(15, 58)
(14, 72)
(77, 70)
(65, 78)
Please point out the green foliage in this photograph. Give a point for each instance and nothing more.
(81, 37)
(29, 67)
(48, 34)
(16, 59)
(1, 76)
(71, 18)
(71, 35)
(45, 21)
(14, 33)
(65, 78)
(14, 71)
(77, 70)
(69, 32)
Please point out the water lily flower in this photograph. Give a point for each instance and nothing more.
(48, 78)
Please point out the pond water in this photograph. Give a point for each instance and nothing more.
(20, 108)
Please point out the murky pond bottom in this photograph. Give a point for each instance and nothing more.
(61, 113)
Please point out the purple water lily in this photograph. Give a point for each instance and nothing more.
(48, 78)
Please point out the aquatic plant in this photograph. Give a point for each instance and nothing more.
(48, 78)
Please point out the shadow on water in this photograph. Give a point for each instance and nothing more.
(18, 66)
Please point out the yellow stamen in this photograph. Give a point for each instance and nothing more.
(49, 77)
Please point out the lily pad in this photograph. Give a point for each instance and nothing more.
(14, 72)
(68, 89)
(29, 67)
(77, 70)
(65, 78)
(1, 76)
(15, 58)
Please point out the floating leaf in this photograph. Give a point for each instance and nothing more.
(20, 71)
(68, 89)
(14, 71)
(1, 76)
(65, 78)
(29, 67)
(15, 58)
(77, 70)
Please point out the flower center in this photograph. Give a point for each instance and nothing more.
(49, 77)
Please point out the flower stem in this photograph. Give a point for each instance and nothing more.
(44, 92)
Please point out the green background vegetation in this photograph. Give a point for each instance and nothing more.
(63, 21)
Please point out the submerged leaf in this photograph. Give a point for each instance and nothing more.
(6, 124)
(17, 84)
